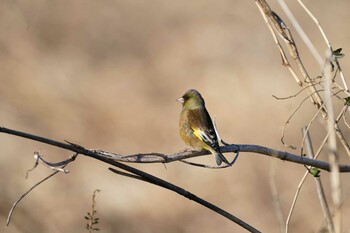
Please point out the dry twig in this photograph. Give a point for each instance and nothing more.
(37, 157)
(319, 186)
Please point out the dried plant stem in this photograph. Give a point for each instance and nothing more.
(319, 186)
(291, 96)
(26, 193)
(275, 196)
(341, 138)
(307, 130)
(295, 201)
(315, 156)
(345, 121)
(346, 89)
(332, 148)
(301, 32)
(273, 21)
(91, 226)
(302, 182)
(327, 42)
(326, 109)
(284, 32)
(291, 116)
(285, 61)
(341, 114)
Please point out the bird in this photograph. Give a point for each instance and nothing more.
(196, 127)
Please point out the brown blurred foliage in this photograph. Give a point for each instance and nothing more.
(105, 74)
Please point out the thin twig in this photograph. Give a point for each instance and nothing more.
(319, 186)
(212, 167)
(275, 196)
(291, 116)
(345, 121)
(342, 112)
(26, 193)
(291, 96)
(35, 164)
(307, 130)
(56, 166)
(295, 200)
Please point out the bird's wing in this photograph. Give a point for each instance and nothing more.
(203, 128)
(207, 136)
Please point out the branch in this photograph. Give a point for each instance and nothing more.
(167, 158)
(164, 158)
(190, 196)
(135, 173)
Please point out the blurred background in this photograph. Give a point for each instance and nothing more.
(105, 74)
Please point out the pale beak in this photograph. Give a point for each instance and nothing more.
(181, 100)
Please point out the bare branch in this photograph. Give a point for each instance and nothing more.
(26, 193)
(164, 158)
(190, 196)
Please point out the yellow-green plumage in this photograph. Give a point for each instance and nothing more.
(196, 127)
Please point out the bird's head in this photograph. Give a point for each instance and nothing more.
(191, 99)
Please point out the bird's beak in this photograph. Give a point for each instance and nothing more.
(181, 100)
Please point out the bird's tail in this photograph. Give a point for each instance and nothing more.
(220, 158)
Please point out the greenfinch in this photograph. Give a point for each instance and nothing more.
(196, 127)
